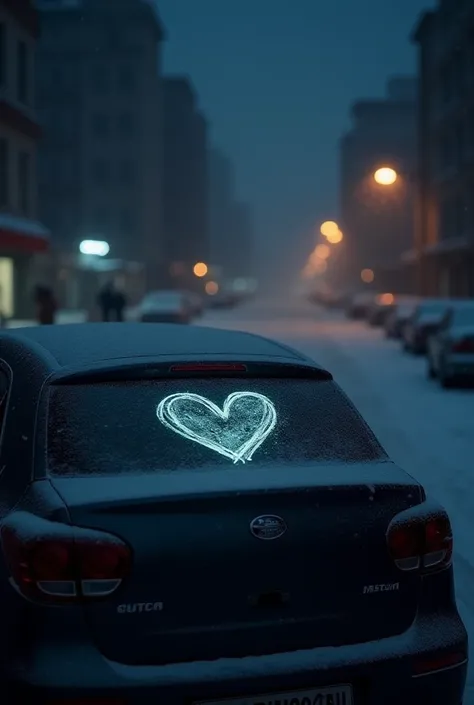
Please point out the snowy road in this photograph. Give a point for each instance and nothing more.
(427, 430)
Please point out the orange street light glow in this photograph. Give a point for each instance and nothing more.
(367, 276)
(322, 252)
(386, 176)
(329, 228)
(386, 299)
(335, 237)
(320, 266)
(212, 288)
(200, 269)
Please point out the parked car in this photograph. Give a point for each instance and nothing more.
(380, 308)
(398, 317)
(165, 307)
(422, 323)
(194, 515)
(450, 356)
(223, 299)
(330, 298)
(359, 304)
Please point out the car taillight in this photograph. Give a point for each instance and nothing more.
(423, 543)
(438, 662)
(80, 565)
(463, 346)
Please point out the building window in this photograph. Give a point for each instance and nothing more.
(126, 78)
(100, 171)
(3, 54)
(127, 171)
(4, 160)
(24, 182)
(100, 125)
(126, 124)
(22, 72)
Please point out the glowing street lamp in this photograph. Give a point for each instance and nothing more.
(335, 237)
(329, 228)
(212, 288)
(200, 269)
(367, 276)
(385, 176)
(99, 248)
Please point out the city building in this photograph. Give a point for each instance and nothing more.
(377, 218)
(186, 182)
(444, 235)
(24, 241)
(222, 193)
(101, 162)
(241, 242)
(232, 224)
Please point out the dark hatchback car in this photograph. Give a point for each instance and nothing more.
(184, 524)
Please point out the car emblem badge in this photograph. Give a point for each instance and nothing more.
(267, 527)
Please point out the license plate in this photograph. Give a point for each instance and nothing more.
(332, 695)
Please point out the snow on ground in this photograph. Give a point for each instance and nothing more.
(427, 430)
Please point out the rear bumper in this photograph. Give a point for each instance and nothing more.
(379, 672)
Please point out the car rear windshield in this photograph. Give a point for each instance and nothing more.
(163, 426)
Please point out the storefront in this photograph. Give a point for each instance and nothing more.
(79, 279)
(24, 262)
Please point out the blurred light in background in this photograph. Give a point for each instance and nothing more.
(386, 176)
(320, 266)
(321, 252)
(200, 269)
(100, 248)
(335, 237)
(386, 299)
(367, 276)
(329, 228)
(212, 288)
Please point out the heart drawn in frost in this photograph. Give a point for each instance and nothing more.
(235, 431)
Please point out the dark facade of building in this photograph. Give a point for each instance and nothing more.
(24, 242)
(444, 206)
(242, 242)
(222, 194)
(232, 223)
(186, 181)
(100, 101)
(377, 220)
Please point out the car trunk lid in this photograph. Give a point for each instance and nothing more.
(212, 577)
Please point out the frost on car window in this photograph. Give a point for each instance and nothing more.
(234, 431)
(115, 428)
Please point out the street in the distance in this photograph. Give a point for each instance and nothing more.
(427, 431)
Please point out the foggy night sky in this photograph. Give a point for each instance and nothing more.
(276, 78)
